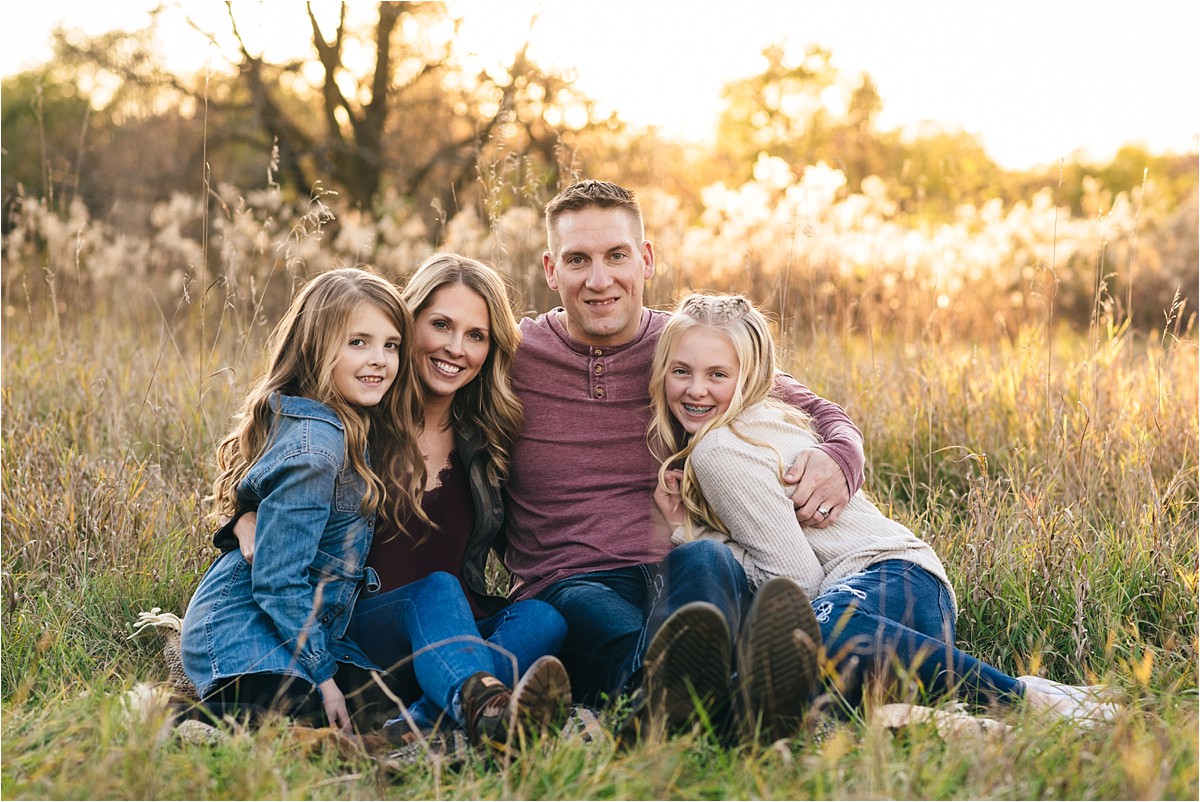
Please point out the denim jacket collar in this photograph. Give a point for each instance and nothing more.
(295, 406)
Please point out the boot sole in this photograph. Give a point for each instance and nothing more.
(542, 698)
(687, 663)
(777, 658)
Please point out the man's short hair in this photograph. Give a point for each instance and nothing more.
(590, 193)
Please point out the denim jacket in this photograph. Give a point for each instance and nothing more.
(288, 614)
(488, 500)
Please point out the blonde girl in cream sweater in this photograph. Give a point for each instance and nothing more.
(880, 593)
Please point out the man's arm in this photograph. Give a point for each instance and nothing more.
(830, 472)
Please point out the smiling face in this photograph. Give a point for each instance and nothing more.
(369, 357)
(599, 264)
(702, 377)
(452, 339)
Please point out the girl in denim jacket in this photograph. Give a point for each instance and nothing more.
(339, 384)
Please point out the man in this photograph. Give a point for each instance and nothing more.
(583, 531)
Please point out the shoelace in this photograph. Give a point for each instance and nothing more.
(495, 705)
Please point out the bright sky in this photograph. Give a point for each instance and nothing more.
(1034, 79)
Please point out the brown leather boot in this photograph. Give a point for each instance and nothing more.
(485, 702)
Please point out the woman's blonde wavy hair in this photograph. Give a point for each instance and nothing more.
(488, 401)
(302, 350)
(749, 332)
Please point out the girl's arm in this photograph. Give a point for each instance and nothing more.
(297, 496)
(741, 483)
(828, 474)
(335, 705)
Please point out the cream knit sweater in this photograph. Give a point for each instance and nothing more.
(742, 483)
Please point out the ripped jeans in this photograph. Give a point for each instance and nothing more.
(895, 616)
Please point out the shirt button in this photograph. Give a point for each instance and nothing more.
(599, 392)
(597, 352)
(599, 370)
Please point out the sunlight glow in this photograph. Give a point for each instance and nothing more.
(1036, 81)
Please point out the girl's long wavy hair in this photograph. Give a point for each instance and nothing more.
(488, 401)
(302, 351)
(749, 333)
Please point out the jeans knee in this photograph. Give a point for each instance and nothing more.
(543, 619)
(704, 554)
(437, 588)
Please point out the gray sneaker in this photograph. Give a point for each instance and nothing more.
(777, 659)
(1074, 691)
(687, 664)
(1086, 705)
(449, 748)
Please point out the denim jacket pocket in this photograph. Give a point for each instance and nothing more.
(338, 580)
(331, 568)
(351, 489)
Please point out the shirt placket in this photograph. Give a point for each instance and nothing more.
(598, 373)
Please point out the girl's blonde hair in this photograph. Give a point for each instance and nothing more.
(749, 333)
(302, 351)
(488, 401)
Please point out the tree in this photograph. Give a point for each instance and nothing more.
(778, 111)
(416, 122)
(413, 123)
(42, 117)
(808, 112)
(803, 113)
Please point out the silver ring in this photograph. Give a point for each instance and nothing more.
(824, 513)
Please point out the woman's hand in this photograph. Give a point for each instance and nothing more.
(243, 529)
(335, 705)
(669, 498)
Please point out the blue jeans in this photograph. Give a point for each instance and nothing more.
(897, 614)
(611, 615)
(430, 621)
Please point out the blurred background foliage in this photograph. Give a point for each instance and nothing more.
(387, 127)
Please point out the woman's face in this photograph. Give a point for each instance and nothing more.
(452, 337)
(701, 377)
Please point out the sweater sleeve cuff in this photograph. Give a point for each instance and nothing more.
(849, 459)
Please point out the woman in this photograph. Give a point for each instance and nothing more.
(478, 662)
(880, 593)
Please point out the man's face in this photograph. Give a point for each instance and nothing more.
(599, 264)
